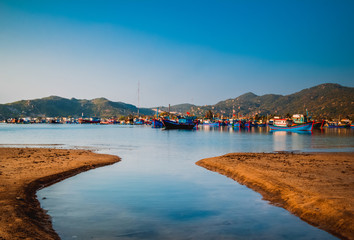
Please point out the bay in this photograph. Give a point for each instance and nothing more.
(157, 191)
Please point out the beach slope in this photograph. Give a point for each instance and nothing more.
(317, 187)
(25, 170)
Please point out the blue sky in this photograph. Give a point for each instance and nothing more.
(199, 52)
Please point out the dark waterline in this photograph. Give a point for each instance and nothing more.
(157, 191)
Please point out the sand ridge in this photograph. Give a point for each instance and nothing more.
(317, 187)
(25, 170)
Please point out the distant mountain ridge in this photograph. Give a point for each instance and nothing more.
(323, 101)
(55, 106)
(180, 108)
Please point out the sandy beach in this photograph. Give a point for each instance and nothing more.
(25, 170)
(317, 187)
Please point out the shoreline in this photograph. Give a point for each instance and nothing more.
(316, 187)
(23, 171)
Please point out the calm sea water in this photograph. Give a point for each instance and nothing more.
(157, 191)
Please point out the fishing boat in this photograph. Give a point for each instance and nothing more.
(183, 123)
(259, 124)
(344, 123)
(156, 123)
(247, 124)
(109, 121)
(236, 124)
(319, 124)
(290, 126)
(89, 120)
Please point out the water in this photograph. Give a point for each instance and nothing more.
(157, 191)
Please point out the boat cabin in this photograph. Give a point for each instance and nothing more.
(282, 122)
(299, 118)
(186, 120)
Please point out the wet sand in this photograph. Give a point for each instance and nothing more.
(25, 170)
(317, 187)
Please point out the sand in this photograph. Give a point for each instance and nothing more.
(25, 170)
(317, 187)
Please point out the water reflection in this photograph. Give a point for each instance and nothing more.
(157, 191)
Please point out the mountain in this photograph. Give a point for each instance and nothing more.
(54, 106)
(179, 108)
(323, 101)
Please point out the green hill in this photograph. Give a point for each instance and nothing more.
(54, 106)
(180, 108)
(322, 101)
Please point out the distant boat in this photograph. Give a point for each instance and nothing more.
(89, 120)
(247, 124)
(187, 124)
(109, 121)
(342, 124)
(319, 125)
(300, 119)
(237, 124)
(288, 125)
(156, 123)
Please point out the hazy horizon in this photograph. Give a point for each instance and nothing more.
(197, 52)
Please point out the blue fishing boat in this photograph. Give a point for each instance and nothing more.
(156, 123)
(183, 123)
(288, 125)
(237, 124)
(247, 124)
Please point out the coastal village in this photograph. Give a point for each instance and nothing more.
(323, 106)
(208, 120)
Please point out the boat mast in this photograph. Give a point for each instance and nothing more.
(138, 97)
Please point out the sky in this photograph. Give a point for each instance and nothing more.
(172, 52)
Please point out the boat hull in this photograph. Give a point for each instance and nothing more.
(237, 124)
(247, 124)
(175, 125)
(295, 128)
(319, 125)
(211, 124)
(156, 123)
(339, 126)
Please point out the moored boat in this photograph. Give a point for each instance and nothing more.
(236, 124)
(288, 125)
(247, 124)
(319, 125)
(181, 124)
(89, 120)
(156, 123)
(344, 123)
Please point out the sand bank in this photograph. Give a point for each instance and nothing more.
(25, 170)
(319, 188)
